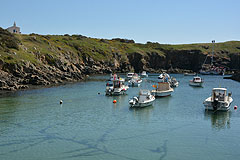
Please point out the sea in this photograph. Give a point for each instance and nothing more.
(89, 126)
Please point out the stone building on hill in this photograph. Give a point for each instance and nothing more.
(14, 29)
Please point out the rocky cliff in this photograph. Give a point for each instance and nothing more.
(33, 59)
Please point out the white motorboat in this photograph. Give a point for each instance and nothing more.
(164, 77)
(135, 81)
(219, 100)
(116, 86)
(173, 82)
(130, 75)
(196, 82)
(144, 74)
(163, 89)
(145, 98)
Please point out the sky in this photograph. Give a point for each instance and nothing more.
(162, 21)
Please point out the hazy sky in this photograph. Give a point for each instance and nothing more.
(163, 21)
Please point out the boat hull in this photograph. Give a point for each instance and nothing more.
(162, 93)
(141, 105)
(196, 84)
(116, 91)
(224, 105)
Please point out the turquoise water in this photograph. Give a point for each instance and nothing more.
(33, 125)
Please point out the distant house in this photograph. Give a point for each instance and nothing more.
(14, 29)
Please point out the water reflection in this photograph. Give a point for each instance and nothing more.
(142, 114)
(219, 120)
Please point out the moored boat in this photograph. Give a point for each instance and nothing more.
(144, 74)
(163, 89)
(130, 75)
(196, 82)
(135, 81)
(145, 98)
(115, 86)
(211, 69)
(164, 77)
(219, 100)
(190, 74)
(173, 82)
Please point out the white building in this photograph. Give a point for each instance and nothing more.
(14, 29)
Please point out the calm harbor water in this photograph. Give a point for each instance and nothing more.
(33, 125)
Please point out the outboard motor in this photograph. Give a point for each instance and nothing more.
(215, 104)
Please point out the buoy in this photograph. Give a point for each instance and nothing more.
(98, 93)
(61, 101)
(235, 107)
(114, 101)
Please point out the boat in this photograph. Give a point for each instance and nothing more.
(190, 74)
(144, 74)
(173, 82)
(163, 89)
(219, 100)
(135, 81)
(196, 82)
(130, 75)
(164, 77)
(211, 69)
(145, 98)
(115, 86)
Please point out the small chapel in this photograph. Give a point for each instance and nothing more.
(14, 29)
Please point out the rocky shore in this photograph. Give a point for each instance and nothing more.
(42, 60)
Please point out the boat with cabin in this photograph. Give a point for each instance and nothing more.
(220, 100)
(162, 89)
(164, 77)
(135, 81)
(130, 75)
(173, 82)
(196, 82)
(144, 99)
(211, 69)
(116, 86)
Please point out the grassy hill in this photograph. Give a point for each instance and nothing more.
(56, 56)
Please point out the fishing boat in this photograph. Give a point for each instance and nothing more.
(135, 81)
(145, 98)
(163, 89)
(219, 100)
(196, 82)
(164, 77)
(211, 69)
(115, 86)
(144, 74)
(130, 75)
(173, 82)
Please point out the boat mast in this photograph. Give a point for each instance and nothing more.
(213, 41)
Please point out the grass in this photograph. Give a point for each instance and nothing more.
(77, 47)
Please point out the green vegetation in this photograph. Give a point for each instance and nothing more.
(34, 48)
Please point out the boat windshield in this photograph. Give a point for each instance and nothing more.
(144, 92)
(130, 74)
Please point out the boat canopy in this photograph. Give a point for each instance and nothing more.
(219, 89)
